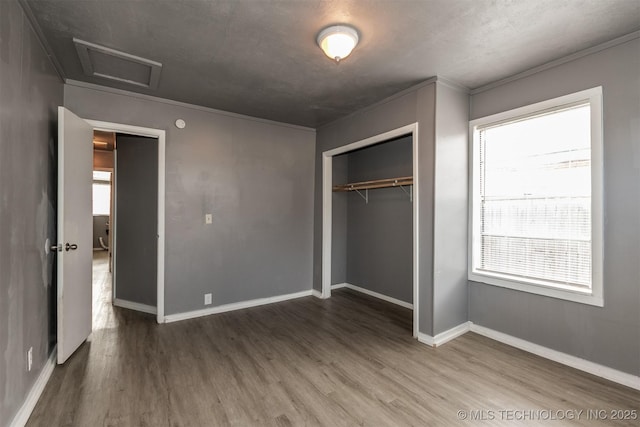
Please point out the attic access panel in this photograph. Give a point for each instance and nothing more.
(107, 63)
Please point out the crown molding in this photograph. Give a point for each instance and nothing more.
(157, 99)
(35, 26)
(557, 62)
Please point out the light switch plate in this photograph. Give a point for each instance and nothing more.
(208, 219)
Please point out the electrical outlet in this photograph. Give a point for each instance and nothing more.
(208, 219)
(29, 359)
(207, 299)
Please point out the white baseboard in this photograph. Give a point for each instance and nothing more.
(444, 337)
(598, 370)
(451, 334)
(425, 339)
(234, 306)
(135, 306)
(26, 409)
(373, 294)
(316, 293)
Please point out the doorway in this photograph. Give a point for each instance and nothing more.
(102, 198)
(125, 220)
(152, 136)
(327, 207)
(103, 164)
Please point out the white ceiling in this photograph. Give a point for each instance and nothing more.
(259, 57)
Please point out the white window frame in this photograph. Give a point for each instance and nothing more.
(594, 296)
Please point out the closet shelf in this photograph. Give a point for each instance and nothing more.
(399, 182)
(378, 183)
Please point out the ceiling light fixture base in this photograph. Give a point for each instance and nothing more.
(337, 41)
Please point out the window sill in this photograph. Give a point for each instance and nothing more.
(574, 295)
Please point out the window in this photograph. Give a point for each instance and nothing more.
(101, 193)
(536, 198)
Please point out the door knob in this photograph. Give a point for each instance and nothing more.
(57, 248)
(70, 246)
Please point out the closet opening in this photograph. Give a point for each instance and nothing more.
(370, 218)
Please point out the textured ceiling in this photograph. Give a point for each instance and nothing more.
(259, 57)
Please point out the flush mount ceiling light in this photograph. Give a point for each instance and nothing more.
(337, 41)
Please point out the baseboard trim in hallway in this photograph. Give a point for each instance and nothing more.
(135, 306)
(26, 409)
(234, 306)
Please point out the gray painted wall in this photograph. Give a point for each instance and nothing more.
(608, 335)
(380, 233)
(254, 176)
(451, 194)
(30, 91)
(136, 219)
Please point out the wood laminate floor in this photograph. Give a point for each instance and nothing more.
(349, 360)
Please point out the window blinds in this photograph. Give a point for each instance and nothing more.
(535, 197)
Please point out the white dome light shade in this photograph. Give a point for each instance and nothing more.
(338, 41)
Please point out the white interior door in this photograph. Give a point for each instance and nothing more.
(75, 231)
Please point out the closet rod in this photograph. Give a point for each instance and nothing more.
(378, 183)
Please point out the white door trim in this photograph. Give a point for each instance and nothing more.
(327, 184)
(161, 136)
